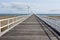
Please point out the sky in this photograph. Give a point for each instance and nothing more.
(35, 6)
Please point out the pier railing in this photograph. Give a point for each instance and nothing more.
(52, 25)
(9, 23)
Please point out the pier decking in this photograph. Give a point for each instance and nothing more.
(31, 29)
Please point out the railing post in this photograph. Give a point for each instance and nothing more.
(13, 21)
(0, 26)
(8, 23)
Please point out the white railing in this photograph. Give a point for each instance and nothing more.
(9, 23)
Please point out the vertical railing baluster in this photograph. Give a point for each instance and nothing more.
(0, 26)
(8, 22)
(13, 21)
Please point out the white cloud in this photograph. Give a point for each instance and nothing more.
(56, 11)
(17, 7)
(21, 7)
(12, 7)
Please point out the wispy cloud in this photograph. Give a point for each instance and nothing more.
(13, 7)
(17, 7)
(37, 6)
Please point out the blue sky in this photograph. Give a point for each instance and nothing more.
(37, 6)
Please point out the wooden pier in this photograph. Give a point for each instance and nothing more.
(31, 29)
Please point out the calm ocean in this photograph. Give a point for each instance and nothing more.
(48, 14)
(27, 14)
(13, 14)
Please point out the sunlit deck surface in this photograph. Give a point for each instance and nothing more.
(30, 29)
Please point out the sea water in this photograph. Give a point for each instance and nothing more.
(28, 14)
(48, 14)
(13, 14)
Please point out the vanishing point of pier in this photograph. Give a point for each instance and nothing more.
(33, 28)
